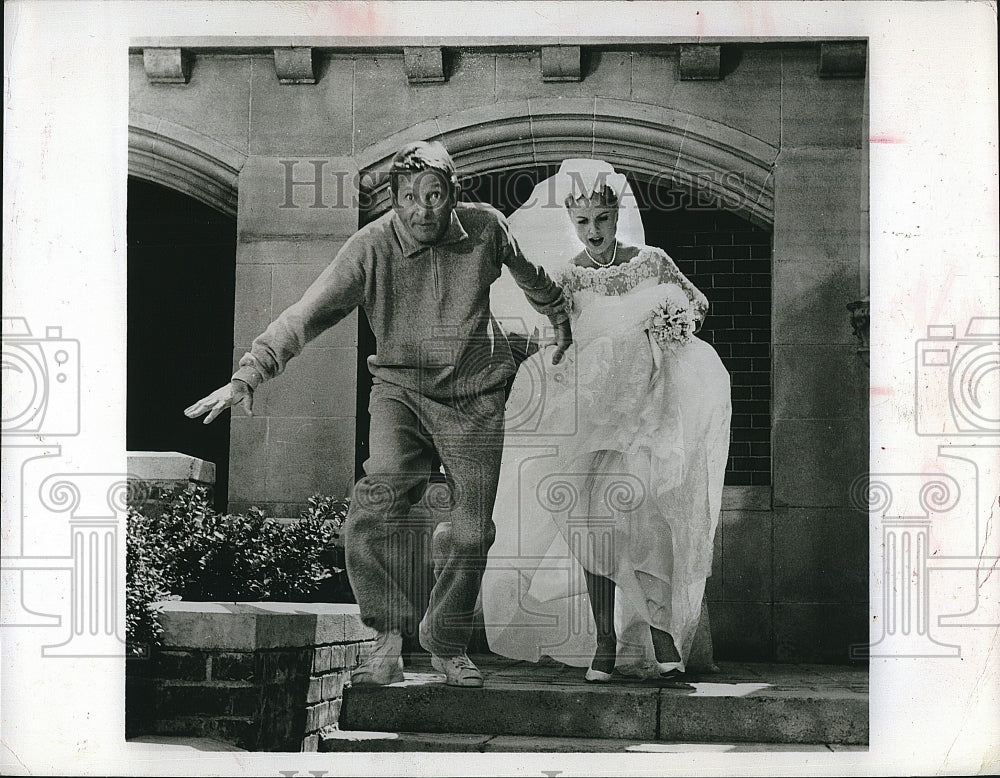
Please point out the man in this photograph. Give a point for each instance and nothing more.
(422, 273)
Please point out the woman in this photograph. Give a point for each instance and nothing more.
(611, 482)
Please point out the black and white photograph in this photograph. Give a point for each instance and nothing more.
(491, 388)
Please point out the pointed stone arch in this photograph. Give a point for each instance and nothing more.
(183, 159)
(651, 142)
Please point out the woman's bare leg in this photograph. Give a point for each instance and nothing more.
(601, 591)
(667, 656)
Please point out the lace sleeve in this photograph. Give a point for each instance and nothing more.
(569, 283)
(671, 274)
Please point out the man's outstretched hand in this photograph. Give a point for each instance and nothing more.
(234, 393)
(564, 339)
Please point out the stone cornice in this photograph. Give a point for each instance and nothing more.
(561, 63)
(167, 65)
(561, 59)
(843, 59)
(294, 65)
(265, 44)
(251, 626)
(700, 62)
(423, 64)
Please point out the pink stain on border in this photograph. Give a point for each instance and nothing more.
(885, 138)
(882, 390)
(350, 19)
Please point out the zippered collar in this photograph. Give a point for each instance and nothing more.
(455, 233)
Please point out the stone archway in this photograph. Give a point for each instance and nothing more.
(649, 141)
(727, 169)
(163, 255)
(183, 159)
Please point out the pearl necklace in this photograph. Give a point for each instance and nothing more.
(600, 264)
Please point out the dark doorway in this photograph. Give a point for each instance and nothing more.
(729, 259)
(181, 293)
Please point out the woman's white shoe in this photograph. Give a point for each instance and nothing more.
(596, 676)
(670, 669)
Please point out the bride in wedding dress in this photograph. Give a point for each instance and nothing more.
(613, 463)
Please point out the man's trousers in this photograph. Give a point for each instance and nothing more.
(407, 429)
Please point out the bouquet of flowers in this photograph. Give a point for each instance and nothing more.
(674, 321)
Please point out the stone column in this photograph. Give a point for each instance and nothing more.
(294, 214)
(820, 386)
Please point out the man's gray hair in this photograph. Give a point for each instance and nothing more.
(423, 155)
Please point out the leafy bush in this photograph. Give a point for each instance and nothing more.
(191, 552)
(328, 509)
(145, 584)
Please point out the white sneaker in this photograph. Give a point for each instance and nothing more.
(384, 664)
(458, 670)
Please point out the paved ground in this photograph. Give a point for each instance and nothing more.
(406, 742)
(743, 702)
(547, 707)
(733, 678)
(169, 744)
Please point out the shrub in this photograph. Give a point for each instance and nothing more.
(145, 583)
(191, 552)
(328, 509)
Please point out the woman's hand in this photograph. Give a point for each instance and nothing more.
(236, 392)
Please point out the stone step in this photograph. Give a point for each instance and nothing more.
(407, 742)
(751, 703)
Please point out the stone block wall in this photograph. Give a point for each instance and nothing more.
(263, 676)
(291, 447)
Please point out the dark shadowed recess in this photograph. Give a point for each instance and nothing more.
(181, 292)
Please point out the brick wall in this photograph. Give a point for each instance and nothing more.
(222, 672)
(729, 259)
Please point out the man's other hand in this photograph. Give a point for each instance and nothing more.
(564, 339)
(234, 393)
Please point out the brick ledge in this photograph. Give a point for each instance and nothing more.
(249, 626)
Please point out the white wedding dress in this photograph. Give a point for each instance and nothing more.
(614, 462)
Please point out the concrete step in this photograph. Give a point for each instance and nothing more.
(408, 742)
(748, 703)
